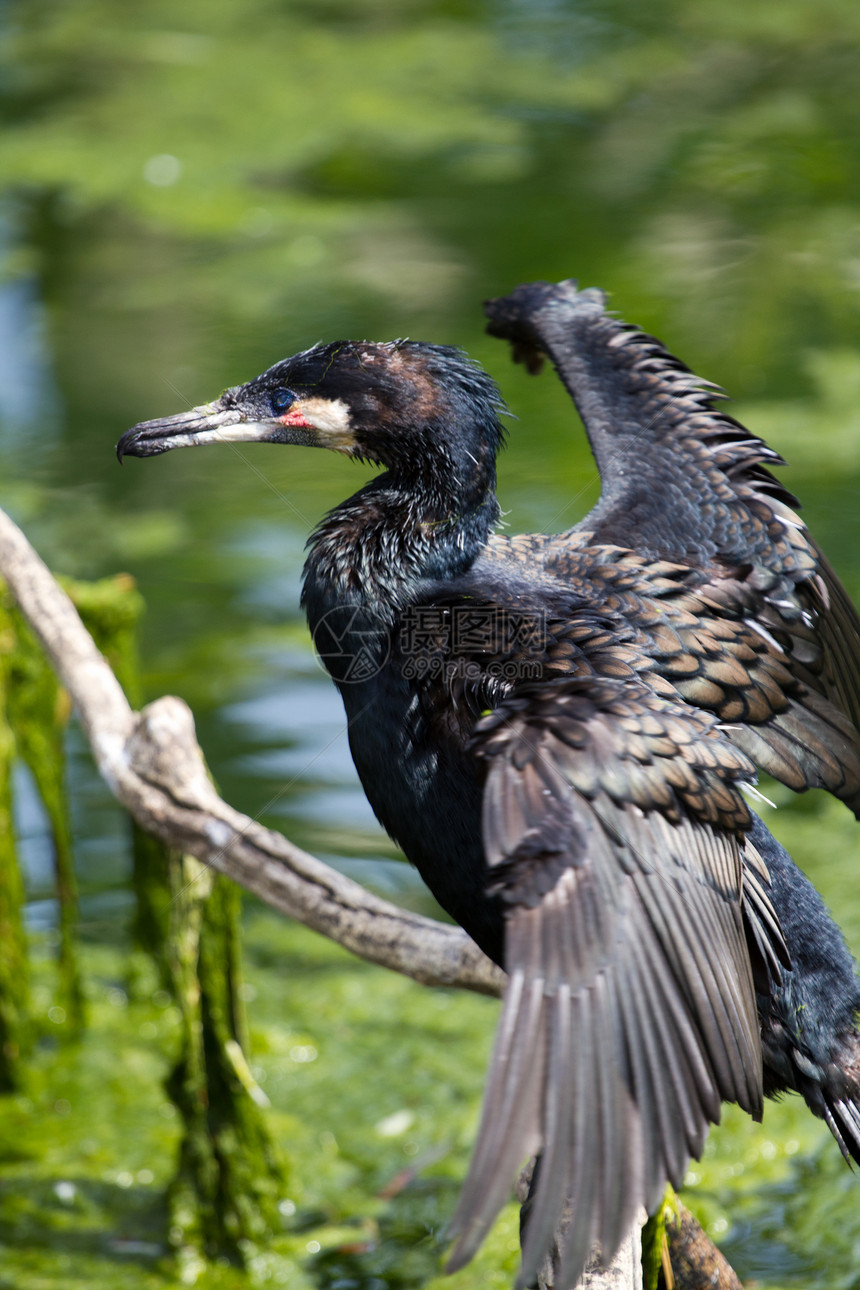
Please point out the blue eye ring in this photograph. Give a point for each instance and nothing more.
(281, 399)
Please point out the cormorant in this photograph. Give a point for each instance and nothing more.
(557, 730)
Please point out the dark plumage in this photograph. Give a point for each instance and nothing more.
(808, 1021)
(556, 731)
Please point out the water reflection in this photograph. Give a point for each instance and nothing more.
(28, 396)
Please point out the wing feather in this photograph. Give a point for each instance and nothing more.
(730, 535)
(630, 1014)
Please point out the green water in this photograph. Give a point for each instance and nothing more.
(190, 192)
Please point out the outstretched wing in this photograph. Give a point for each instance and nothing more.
(686, 487)
(613, 832)
(679, 480)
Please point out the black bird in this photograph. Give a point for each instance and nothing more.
(557, 729)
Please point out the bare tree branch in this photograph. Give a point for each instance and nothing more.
(152, 763)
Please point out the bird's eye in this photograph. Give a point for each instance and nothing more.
(281, 399)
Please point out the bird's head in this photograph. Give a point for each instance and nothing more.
(411, 407)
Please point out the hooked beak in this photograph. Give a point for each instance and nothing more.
(210, 423)
(310, 422)
(218, 422)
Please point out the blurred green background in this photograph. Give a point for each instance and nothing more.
(189, 192)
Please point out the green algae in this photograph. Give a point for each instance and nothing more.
(33, 722)
(37, 710)
(14, 989)
(111, 610)
(223, 1200)
(374, 1084)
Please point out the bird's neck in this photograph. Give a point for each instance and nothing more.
(375, 548)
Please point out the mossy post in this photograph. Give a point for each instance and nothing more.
(656, 1264)
(38, 713)
(14, 993)
(111, 610)
(34, 714)
(224, 1199)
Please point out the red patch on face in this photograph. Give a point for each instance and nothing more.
(295, 419)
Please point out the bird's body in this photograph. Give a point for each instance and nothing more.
(556, 731)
